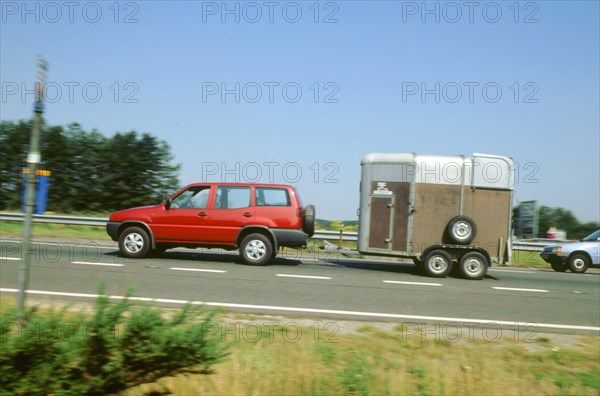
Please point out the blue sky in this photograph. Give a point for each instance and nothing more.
(307, 99)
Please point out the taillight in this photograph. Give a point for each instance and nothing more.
(299, 212)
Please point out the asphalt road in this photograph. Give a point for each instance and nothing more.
(326, 285)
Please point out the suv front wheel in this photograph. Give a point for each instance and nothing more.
(256, 249)
(134, 242)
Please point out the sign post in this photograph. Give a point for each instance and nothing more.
(33, 159)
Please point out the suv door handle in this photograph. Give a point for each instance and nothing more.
(247, 215)
(202, 214)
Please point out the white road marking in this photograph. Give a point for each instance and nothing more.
(319, 311)
(198, 270)
(302, 276)
(519, 289)
(509, 270)
(10, 258)
(413, 283)
(102, 264)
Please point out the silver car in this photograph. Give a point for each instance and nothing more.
(575, 256)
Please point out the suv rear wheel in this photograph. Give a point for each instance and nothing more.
(256, 249)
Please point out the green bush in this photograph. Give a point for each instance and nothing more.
(120, 346)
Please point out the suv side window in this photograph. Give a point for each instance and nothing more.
(232, 197)
(192, 198)
(272, 197)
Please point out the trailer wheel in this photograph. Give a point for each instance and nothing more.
(461, 230)
(308, 223)
(473, 265)
(437, 264)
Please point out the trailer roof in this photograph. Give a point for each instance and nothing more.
(481, 170)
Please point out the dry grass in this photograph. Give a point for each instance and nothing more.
(284, 356)
(376, 362)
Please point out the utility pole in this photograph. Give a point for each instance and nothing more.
(33, 159)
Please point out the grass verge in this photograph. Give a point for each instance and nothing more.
(314, 360)
(15, 229)
(292, 356)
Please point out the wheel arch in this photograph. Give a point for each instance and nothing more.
(244, 232)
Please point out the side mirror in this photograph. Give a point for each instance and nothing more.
(168, 203)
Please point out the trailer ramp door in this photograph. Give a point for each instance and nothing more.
(389, 205)
(380, 230)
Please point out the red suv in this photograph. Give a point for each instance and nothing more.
(256, 218)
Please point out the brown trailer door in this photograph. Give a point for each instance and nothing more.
(380, 232)
(389, 206)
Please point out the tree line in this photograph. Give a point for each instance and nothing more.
(90, 172)
(95, 173)
(563, 219)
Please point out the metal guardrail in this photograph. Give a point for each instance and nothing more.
(56, 219)
(530, 245)
(335, 235)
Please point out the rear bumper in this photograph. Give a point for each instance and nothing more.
(290, 238)
(112, 227)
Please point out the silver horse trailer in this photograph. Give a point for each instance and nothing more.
(441, 211)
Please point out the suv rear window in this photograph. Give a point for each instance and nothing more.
(272, 197)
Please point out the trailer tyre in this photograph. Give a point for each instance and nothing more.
(437, 264)
(308, 223)
(461, 230)
(473, 265)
